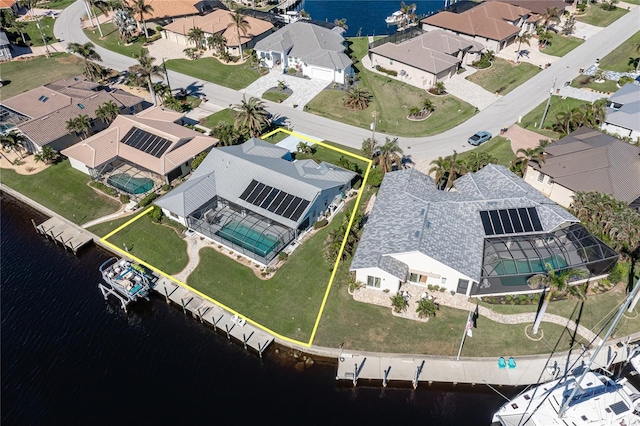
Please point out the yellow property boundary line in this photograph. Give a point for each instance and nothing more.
(104, 241)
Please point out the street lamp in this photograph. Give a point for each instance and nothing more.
(44, 40)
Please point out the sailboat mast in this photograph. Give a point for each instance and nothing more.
(587, 368)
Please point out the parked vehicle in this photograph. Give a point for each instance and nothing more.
(479, 138)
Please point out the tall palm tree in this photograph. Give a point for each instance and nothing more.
(107, 112)
(556, 282)
(217, 42)
(390, 155)
(596, 112)
(439, 167)
(522, 38)
(88, 53)
(141, 8)
(80, 125)
(526, 155)
(144, 70)
(550, 17)
(568, 121)
(196, 36)
(241, 25)
(15, 141)
(125, 23)
(251, 115)
(476, 161)
(20, 26)
(457, 168)
(341, 23)
(46, 154)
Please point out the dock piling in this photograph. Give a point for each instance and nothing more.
(385, 378)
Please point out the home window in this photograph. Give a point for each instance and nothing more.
(549, 181)
(418, 278)
(373, 281)
(540, 177)
(443, 281)
(172, 214)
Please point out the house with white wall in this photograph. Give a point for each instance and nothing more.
(486, 237)
(316, 51)
(623, 112)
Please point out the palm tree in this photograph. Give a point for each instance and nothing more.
(369, 148)
(251, 115)
(225, 133)
(80, 125)
(596, 112)
(357, 98)
(426, 308)
(103, 6)
(144, 70)
(556, 282)
(525, 155)
(544, 38)
(47, 155)
(15, 141)
(522, 38)
(476, 161)
(241, 25)
(125, 23)
(304, 14)
(457, 168)
(440, 167)
(196, 36)
(398, 302)
(568, 121)
(20, 26)
(107, 112)
(88, 53)
(141, 8)
(390, 155)
(217, 42)
(341, 23)
(162, 91)
(550, 17)
(438, 88)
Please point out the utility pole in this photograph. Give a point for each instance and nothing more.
(374, 114)
(546, 108)
(44, 40)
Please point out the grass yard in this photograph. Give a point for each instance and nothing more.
(347, 321)
(210, 69)
(624, 57)
(32, 34)
(56, 4)
(275, 96)
(288, 303)
(532, 120)
(391, 101)
(64, 190)
(27, 75)
(503, 76)
(584, 81)
(112, 41)
(560, 44)
(498, 147)
(212, 120)
(595, 15)
(157, 244)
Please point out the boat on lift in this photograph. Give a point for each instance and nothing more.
(127, 281)
(395, 18)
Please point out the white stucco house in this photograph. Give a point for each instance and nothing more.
(623, 112)
(486, 237)
(316, 51)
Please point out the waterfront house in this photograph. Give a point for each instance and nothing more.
(485, 237)
(494, 24)
(5, 47)
(254, 200)
(139, 153)
(588, 160)
(315, 51)
(538, 7)
(166, 11)
(41, 114)
(13, 5)
(426, 59)
(623, 112)
(219, 22)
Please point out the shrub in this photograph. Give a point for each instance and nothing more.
(124, 199)
(156, 214)
(282, 256)
(166, 187)
(617, 274)
(198, 159)
(386, 71)
(158, 28)
(154, 37)
(292, 71)
(357, 184)
(147, 200)
(104, 188)
(375, 177)
(624, 80)
(320, 224)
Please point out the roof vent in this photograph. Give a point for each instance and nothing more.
(492, 203)
(417, 234)
(422, 212)
(427, 224)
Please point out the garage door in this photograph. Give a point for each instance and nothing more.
(322, 74)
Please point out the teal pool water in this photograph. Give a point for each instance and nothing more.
(535, 266)
(248, 238)
(130, 184)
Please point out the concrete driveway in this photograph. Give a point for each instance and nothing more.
(304, 90)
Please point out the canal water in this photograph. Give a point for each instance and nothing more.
(69, 357)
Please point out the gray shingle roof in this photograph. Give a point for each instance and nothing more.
(628, 114)
(234, 168)
(588, 160)
(411, 214)
(393, 266)
(311, 43)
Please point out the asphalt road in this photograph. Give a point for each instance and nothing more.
(502, 113)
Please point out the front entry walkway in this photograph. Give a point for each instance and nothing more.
(476, 95)
(304, 90)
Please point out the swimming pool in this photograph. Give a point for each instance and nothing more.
(248, 238)
(129, 184)
(508, 266)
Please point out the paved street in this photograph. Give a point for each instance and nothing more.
(502, 113)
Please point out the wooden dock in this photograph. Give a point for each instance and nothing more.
(69, 236)
(233, 326)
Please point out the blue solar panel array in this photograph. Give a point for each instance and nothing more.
(274, 200)
(510, 221)
(146, 142)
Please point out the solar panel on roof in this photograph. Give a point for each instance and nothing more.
(292, 207)
(263, 194)
(535, 220)
(495, 222)
(146, 142)
(248, 190)
(510, 221)
(298, 212)
(486, 223)
(276, 203)
(269, 198)
(526, 221)
(515, 221)
(285, 203)
(506, 221)
(256, 191)
(274, 200)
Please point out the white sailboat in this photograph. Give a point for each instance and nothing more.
(591, 398)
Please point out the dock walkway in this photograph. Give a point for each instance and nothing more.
(64, 233)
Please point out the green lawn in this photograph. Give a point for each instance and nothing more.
(274, 96)
(112, 41)
(64, 190)
(27, 75)
(32, 34)
(56, 4)
(391, 101)
(531, 121)
(595, 15)
(584, 81)
(210, 69)
(157, 244)
(560, 44)
(498, 147)
(624, 57)
(288, 303)
(503, 76)
(212, 120)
